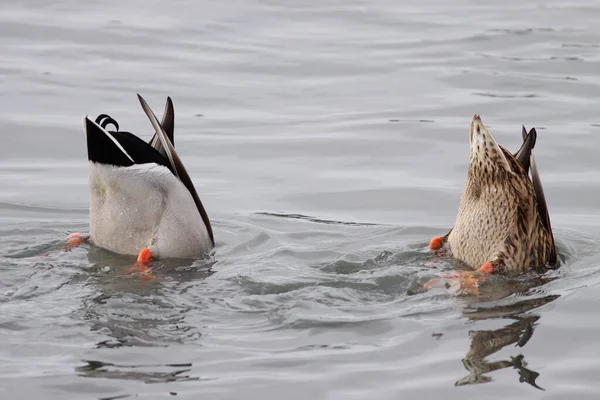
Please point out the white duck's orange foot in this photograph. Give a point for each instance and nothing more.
(74, 240)
(142, 266)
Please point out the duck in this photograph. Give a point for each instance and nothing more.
(142, 200)
(503, 225)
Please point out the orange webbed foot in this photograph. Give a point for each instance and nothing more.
(145, 256)
(142, 265)
(436, 243)
(486, 268)
(466, 282)
(469, 281)
(74, 240)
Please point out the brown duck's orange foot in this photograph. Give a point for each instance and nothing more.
(467, 281)
(74, 240)
(436, 243)
(464, 283)
(141, 267)
(486, 268)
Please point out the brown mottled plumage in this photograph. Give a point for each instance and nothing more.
(502, 218)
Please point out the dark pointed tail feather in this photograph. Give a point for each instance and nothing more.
(541, 198)
(168, 120)
(524, 153)
(168, 124)
(175, 161)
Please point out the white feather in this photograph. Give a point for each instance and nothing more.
(144, 205)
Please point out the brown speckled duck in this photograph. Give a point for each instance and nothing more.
(502, 224)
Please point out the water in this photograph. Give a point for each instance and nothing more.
(328, 142)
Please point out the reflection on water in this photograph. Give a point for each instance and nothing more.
(485, 343)
(136, 311)
(313, 219)
(143, 373)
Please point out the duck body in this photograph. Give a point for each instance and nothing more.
(141, 197)
(502, 221)
(144, 206)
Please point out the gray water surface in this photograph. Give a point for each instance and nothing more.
(328, 141)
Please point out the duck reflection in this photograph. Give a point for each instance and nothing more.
(98, 369)
(132, 310)
(485, 343)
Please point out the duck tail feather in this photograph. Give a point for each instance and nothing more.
(524, 154)
(175, 161)
(168, 124)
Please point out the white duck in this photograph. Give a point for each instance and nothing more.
(142, 200)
